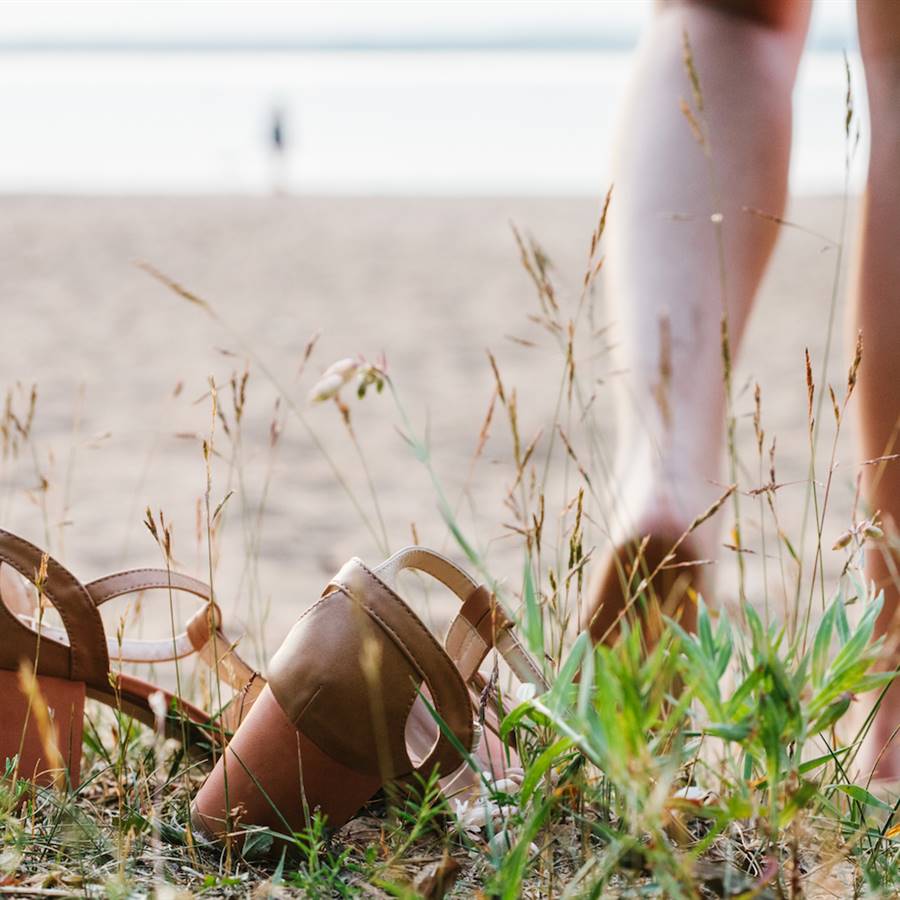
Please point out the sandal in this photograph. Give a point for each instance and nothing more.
(73, 663)
(344, 711)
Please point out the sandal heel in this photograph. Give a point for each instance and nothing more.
(30, 728)
(276, 776)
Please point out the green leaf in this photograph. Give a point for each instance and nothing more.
(704, 631)
(822, 644)
(257, 843)
(852, 652)
(585, 686)
(221, 505)
(726, 647)
(841, 624)
(539, 767)
(730, 731)
(790, 548)
(748, 766)
(534, 621)
(861, 795)
(832, 714)
(746, 688)
(559, 695)
(756, 628)
(811, 764)
(278, 875)
(514, 864)
(875, 680)
(514, 717)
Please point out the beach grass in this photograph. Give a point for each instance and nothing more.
(707, 765)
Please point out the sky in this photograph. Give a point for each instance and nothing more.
(348, 21)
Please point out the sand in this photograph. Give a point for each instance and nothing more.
(122, 364)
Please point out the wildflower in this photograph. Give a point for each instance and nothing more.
(693, 794)
(526, 691)
(504, 840)
(327, 387)
(862, 531)
(472, 817)
(843, 540)
(333, 379)
(346, 368)
(507, 785)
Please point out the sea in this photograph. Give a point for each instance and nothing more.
(358, 122)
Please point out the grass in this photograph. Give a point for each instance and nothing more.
(708, 765)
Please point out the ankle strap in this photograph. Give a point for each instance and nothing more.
(481, 623)
(84, 657)
(203, 634)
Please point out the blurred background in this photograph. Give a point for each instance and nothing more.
(348, 170)
(370, 97)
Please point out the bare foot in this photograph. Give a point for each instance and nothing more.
(653, 566)
(652, 579)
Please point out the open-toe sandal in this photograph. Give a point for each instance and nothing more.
(352, 703)
(46, 673)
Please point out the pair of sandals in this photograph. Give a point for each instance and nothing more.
(360, 694)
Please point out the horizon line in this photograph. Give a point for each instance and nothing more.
(582, 43)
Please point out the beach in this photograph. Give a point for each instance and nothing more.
(122, 363)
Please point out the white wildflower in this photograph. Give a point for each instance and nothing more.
(333, 379)
(346, 368)
(693, 794)
(504, 840)
(473, 817)
(526, 691)
(507, 785)
(325, 388)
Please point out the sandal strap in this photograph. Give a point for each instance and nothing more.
(423, 560)
(203, 634)
(133, 581)
(481, 623)
(352, 668)
(427, 657)
(84, 658)
(203, 630)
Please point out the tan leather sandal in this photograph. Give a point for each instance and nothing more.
(73, 663)
(343, 712)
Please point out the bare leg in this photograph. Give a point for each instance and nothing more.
(665, 267)
(878, 315)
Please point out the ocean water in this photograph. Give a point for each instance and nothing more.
(446, 123)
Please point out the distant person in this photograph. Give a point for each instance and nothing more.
(667, 271)
(278, 144)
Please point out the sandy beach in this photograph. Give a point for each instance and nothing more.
(121, 366)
